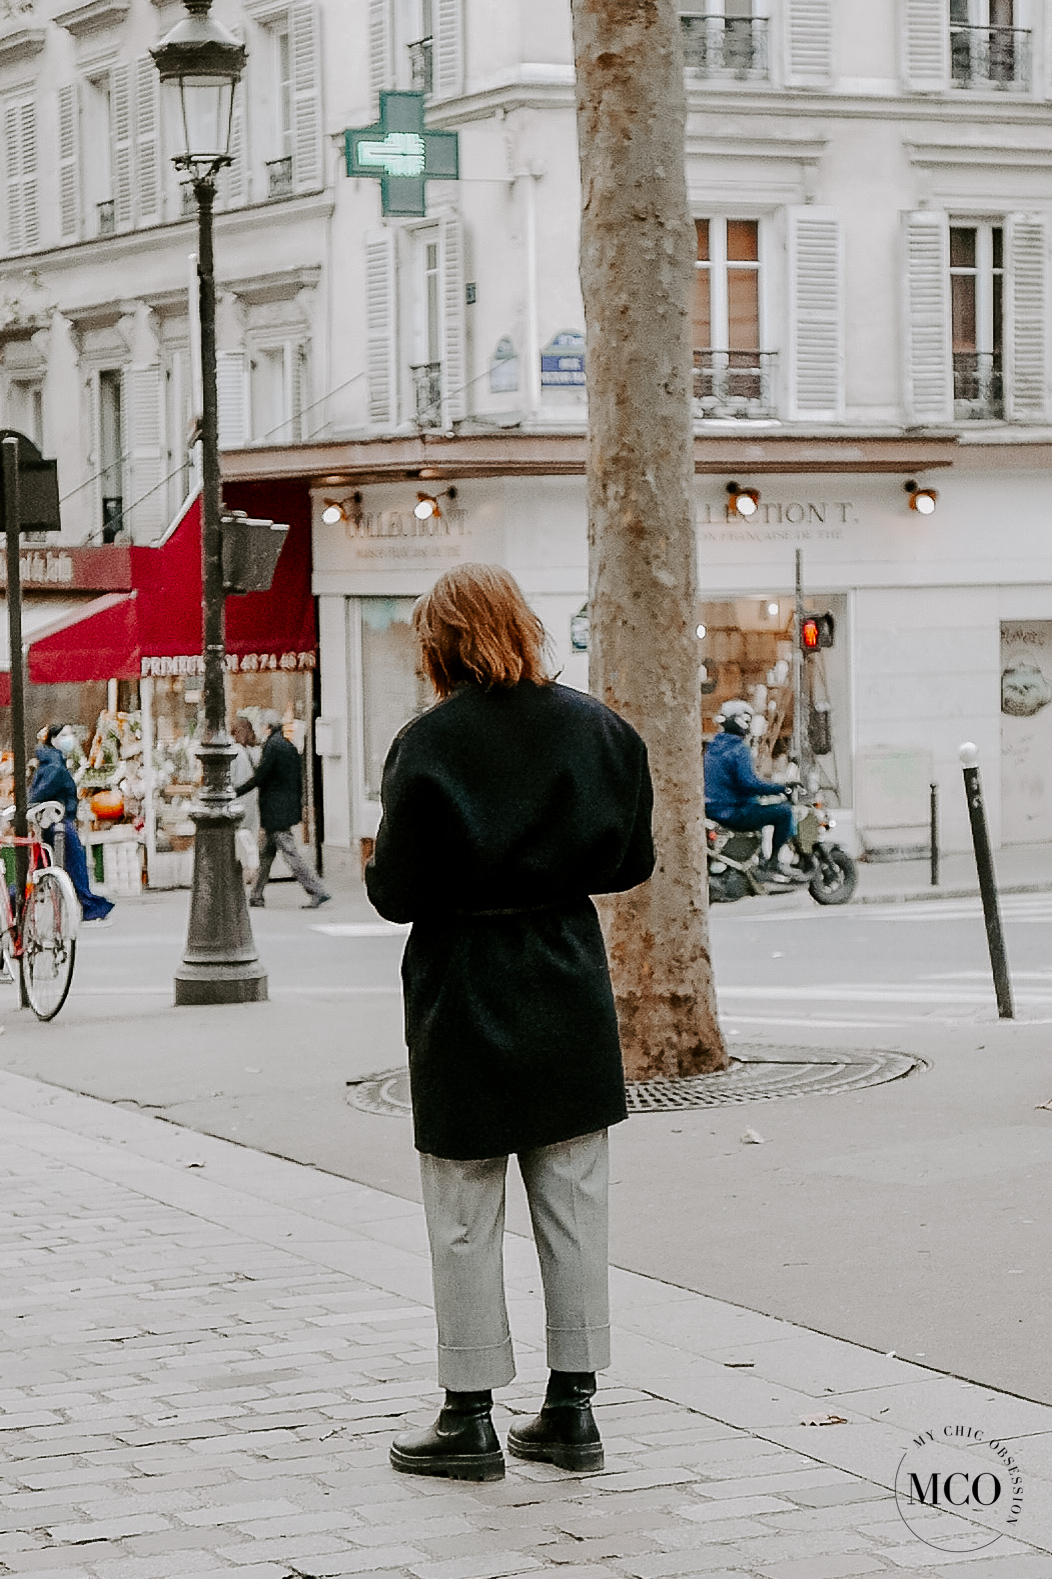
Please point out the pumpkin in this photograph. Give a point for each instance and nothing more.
(107, 805)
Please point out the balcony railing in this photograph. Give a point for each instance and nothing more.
(107, 222)
(279, 177)
(978, 386)
(725, 46)
(422, 66)
(427, 386)
(990, 57)
(734, 383)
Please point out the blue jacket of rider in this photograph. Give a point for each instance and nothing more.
(731, 781)
(53, 781)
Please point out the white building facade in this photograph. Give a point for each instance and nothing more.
(871, 182)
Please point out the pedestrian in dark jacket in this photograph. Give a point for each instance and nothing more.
(505, 807)
(53, 781)
(277, 778)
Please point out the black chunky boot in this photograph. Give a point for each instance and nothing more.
(565, 1432)
(461, 1445)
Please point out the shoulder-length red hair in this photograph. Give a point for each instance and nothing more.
(475, 625)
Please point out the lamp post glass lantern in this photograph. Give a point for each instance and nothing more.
(200, 64)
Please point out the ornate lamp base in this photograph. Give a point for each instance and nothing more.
(220, 964)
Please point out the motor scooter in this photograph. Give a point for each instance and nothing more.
(735, 857)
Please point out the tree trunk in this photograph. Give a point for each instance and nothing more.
(637, 265)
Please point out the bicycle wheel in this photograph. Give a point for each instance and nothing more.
(49, 942)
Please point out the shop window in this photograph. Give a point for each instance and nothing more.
(732, 373)
(393, 688)
(977, 312)
(987, 48)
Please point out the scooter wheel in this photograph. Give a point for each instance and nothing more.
(726, 887)
(836, 878)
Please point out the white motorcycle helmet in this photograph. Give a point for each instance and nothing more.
(735, 718)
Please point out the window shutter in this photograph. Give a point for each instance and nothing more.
(816, 371)
(232, 395)
(298, 396)
(809, 44)
(16, 228)
(449, 48)
(381, 47)
(121, 137)
(147, 142)
(69, 161)
(454, 361)
(232, 180)
(926, 45)
(1026, 337)
(28, 144)
(308, 172)
(145, 509)
(381, 338)
(929, 365)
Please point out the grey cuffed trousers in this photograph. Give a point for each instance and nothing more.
(567, 1189)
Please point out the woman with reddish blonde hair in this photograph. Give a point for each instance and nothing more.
(505, 807)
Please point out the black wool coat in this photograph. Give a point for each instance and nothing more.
(278, 780)
(503, 810)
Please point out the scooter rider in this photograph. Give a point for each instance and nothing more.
(732, 788)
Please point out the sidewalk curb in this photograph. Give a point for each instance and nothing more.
(902, 896)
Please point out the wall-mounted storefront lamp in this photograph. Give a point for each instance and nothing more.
(427, 506)
(744, 501)
(336, 510)
(923, 500)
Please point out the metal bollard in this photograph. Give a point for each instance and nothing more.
(984, 865)
(934, 835)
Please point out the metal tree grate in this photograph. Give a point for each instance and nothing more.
(756, 1074)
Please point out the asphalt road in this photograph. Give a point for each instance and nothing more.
(910, 1217)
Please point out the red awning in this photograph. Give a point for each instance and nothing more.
(156, 629)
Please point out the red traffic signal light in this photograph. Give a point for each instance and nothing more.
(816, 631)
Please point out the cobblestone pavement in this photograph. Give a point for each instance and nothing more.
(205, 1351)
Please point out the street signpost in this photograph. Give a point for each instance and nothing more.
(399, 152)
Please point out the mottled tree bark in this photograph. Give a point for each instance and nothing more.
(637, 261)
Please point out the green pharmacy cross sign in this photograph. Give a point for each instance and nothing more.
(402, 154)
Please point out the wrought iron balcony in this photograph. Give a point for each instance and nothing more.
(978, 386)
(427, 385)
(422, 65)
(106, 219)
(734, 383)
(279, 177)
(725, 46)
(990, 57)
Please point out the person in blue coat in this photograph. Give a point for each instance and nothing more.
(53, 781)
(733, 789)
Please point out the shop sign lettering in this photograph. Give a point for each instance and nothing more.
(385, 525)
(775, 513)
(236, 663)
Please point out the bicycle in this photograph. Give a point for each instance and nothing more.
(40, 935)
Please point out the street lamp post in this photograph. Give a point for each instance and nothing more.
(200, 64)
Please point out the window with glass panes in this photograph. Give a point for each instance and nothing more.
(986, 43)
(724, 36)
(977, 311)
(728, 364)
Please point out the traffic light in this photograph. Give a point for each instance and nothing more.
(816, 632)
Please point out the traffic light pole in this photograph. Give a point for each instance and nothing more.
(798, 666)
